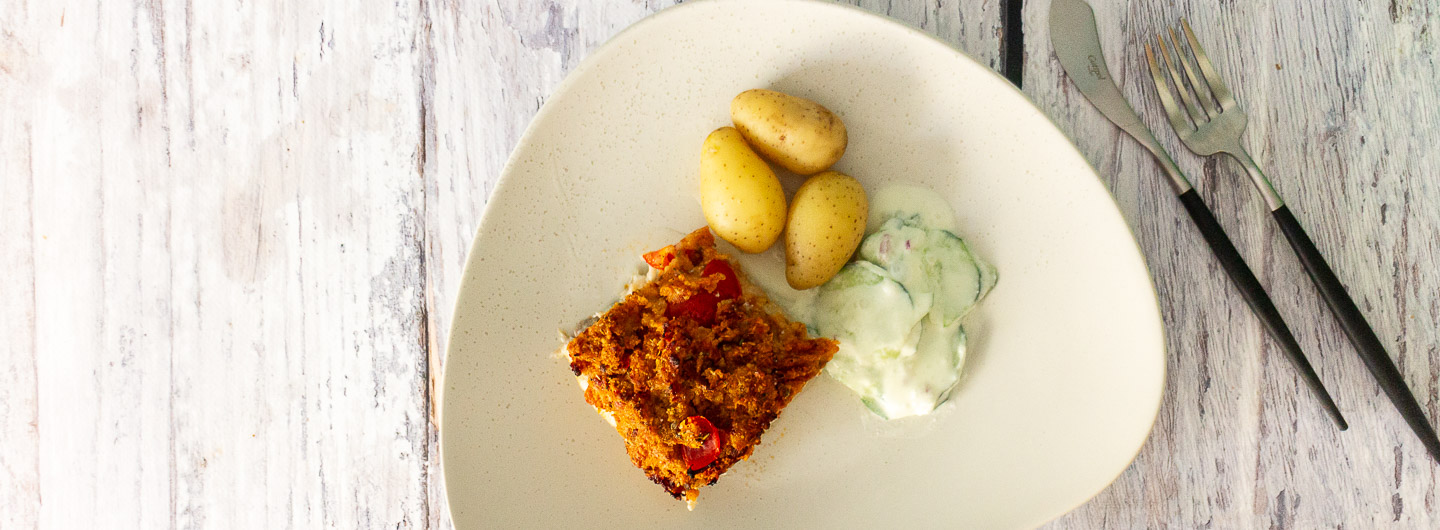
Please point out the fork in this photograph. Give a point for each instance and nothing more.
(1211, 122)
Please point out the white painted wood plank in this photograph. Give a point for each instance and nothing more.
(1343, 117)
(495, 63)
(228, 301)
(19, 408)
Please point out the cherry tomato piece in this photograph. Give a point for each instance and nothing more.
(729, 286)
(700, 307)
(697, 459)
(659, 258)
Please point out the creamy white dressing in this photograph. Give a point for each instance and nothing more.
(896, 309)
(904, 200)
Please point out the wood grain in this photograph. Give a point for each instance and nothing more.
(19, 406)
(218, 212)
(1344, 125)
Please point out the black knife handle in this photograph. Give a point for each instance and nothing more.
(1371, 351)
(1259, 301)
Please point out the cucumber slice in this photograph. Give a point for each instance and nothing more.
(896, 312)
(930, 262)
(874, 406)
(863, 305)
(892, 245)
(957, 278)
(989, 276)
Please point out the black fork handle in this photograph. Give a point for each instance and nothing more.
(1259, 301)
(1371, 351)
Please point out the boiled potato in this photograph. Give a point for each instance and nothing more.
(798, 134)
(741, 196)
(826, 224)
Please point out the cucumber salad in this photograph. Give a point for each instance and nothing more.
(896, 309)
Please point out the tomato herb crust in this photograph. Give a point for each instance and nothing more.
(694, 365)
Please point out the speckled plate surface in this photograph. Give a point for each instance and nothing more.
(1067, 356)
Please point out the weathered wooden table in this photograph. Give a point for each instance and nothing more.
(231, 234)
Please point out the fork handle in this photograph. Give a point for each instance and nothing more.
(1259, 301)
(1257, 176)
(1371, 351)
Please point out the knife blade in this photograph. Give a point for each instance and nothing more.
(1077, 44)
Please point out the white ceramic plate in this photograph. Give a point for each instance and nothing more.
(1067, 355)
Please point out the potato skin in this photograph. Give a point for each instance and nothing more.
(798, 134)
(740, 195)
(825, 226)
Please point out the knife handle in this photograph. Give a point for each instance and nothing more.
(1258, 300)
(1371, 351)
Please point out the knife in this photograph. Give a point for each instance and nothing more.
(1077, 45)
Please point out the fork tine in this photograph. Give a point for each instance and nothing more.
(1196, 114)
(1178, 119)
(1202, 90)
(1217, 85)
